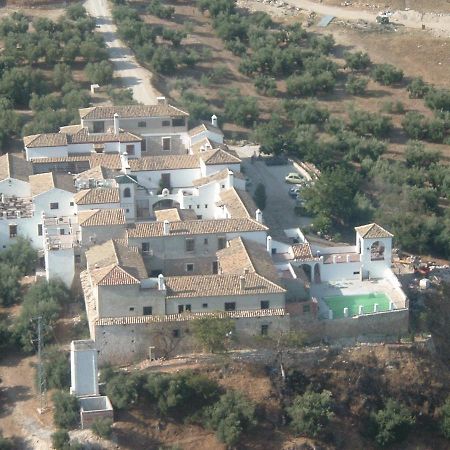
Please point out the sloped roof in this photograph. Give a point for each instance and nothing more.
(219, 156)
(11, 166)
(175, 214)
(239, 203)
(303, 252)
(97, 173)
(113, 275)
(101, 217)
(244, 254)
(218, 285)
(44, 182)
(372, 231)
(110, 161)
(45, 140)
(164, 162)
(205, 126)
(97, 196)
(212, 226)
(131, 111)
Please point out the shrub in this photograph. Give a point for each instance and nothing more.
(56, 368)
(307, 85)
(240, 109)
(121, 390)
(396, 107)
(356, 85)
(102, 428)
(260, 196)
(122, 96)
(61, 440)
(387, 74)
(438, 99)
(21, 254)
(418, 88)
(231, 416)
(181, 395)
(445, 419)
(310, 413)
(365, 123)
(265, 85)
(5, 444)
(66, 410)
(197, 106)
(101, 73)
(156, 8)
(392, 424)
(164, 61)
(357, 61)
(211, 332)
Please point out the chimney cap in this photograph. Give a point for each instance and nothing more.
(116, 114)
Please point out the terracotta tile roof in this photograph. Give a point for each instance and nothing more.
(97, 173)
(372, 231)
(131, 111)
(218, 176)
(218, 285)
(219, 156)
(12, 166)
(303, 252)
(97, 196)
(45, 140)
(134, 320)
(238, 203)
(112, 275)
(44, 182)
(205, 126)
(71, 129)
(106, 160)
(101, 217)
(175, 214)
(115, 252)
(245, 255)
(212, 226)
(164, 162)
(201, 146)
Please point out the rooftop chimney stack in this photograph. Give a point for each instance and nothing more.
(116, 123)
(269, 245)
(161, 100)
(125, 164)
(214, 121)
(230, 179)
(259, 216)
(242, 282)
(161, 284)
(166, 228)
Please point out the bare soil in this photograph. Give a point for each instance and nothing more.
(433, 6)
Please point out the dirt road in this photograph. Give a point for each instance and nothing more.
(410, 19)
(126, 67)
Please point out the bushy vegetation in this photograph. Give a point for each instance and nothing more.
(260, 196)
(56, 368)
(212, 333)
(66, 412)
(102, 428)
(310, 413)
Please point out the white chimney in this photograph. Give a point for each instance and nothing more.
(242, 282)
(230, 179)
(125, 164)
(330, 314)
(360, 310)
(161, 100)
(116, 123)
(161, 284)
(166, 228)
(269, 245)
(258, 215)
(345, 312)
(391, 306)
(214, 121)
(375, 307)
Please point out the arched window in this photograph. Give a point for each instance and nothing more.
(127, 192)
(377, 251)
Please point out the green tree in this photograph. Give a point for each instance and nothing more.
(121, 390)
(240, 109)
(101, 73)
(212, 333)
(265, 85)
(387, 74)
(45, 102)
(157, 9)
(357, 61)
(56, 368)
(231, 416)
(438, 99)
(122, 96)
(76, 99)
(445, 418)
(10, 288)
(260, 196)
(21, 254)
(356, 85)
(416, 155)
(365, 123)
(5, 444)
(310, 413)
(62, 73)
(392, 424)
(164, 61)
(102, 428)
(61, 440)
(76, 11)
(66, 412)
(417, 88)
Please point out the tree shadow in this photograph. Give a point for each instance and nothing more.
(9, 396)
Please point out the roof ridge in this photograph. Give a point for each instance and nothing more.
(240, 200)
(248, 254)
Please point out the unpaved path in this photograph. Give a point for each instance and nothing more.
(126, 67)
(410, 19)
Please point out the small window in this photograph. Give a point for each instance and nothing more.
(198, 206)
(54, 205)
(264, 304)
(205, 241)
(223, 186)
(130, 149)
(166, 123)
(190, 245)
(221, 243)
(99, 127)
(189, 267)
(166, 143)
(188, 308)
(142, 124)
(71, 203)
(176, 333)
(230, 306)
(12, 231)
(147, 311)
(181, 122)
(190, 206)
(264, 330)
(77, 259)
(131, 308)
(356, 273)
(206, 206)
(145, 247)
(215, 267)
(306, 308)
(62, 231)
(205, 305)
(40, 229)
(143, 145)
(127, 192)
(180, 309)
